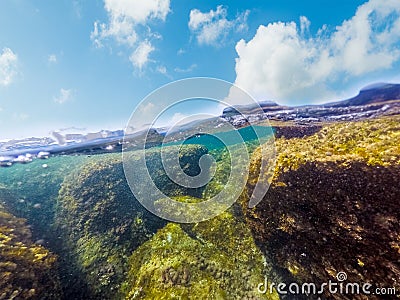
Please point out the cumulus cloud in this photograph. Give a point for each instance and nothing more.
(286, 63)
(65, 95)
(212, 27)
(304, 24)
(8, 66)
(128, 25)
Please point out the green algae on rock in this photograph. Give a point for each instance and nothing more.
(333, 205)
(214, 259)
(155, 160)
(27, 270)
(373, 142)
(102, 222)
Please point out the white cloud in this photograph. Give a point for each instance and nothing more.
(178, 117)
(304, 24)
(148, 108)
(187, 70)
(8, 66)
(141, 55)
(128, 25)
(65, 95)
(52, 58)
(211, 28)
(286, 63)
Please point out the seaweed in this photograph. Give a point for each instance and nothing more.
(27, 270)
(214, 259)
(101, 221)
(333, 205)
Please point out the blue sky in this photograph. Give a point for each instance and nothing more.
(87, 64)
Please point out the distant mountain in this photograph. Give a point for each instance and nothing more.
(374, 93)
(372, 101)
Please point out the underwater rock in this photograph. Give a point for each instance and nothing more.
(189, 156)
(213, 259)
(333, 206)
(102, 222)
(27, 270)
(187, 264)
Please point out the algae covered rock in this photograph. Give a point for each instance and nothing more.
(334, 206)
(102, 222)
(27, 270)
(178, 160)
(215, 259)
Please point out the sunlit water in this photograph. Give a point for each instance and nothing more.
(31, 189)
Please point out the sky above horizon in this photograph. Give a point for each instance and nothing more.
(87, 64)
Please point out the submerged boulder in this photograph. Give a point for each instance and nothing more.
(334, 206)
(214, 259)
(101, 221)
(27, 270)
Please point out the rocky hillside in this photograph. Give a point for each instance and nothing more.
(371, 102)
(371, 94)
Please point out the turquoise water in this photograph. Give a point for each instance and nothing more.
(71, 228)
(80, 209)
(229, 138)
